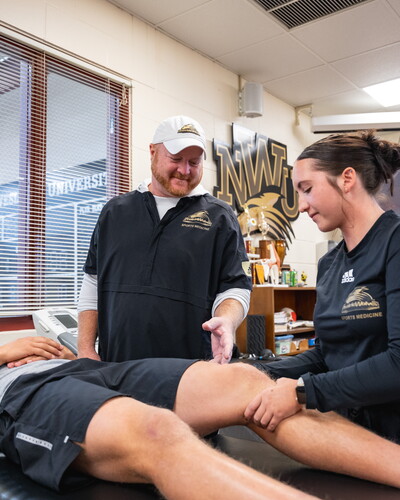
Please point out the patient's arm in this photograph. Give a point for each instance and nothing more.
(29, 349)
(65, 354)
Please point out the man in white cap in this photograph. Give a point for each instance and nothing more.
(165, 273)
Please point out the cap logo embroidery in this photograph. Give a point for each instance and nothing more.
(198, 220)
(188, 129)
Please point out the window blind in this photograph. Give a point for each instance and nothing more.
(64, 151)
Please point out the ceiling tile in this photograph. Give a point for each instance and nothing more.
(305, 87)
(280, 56)
(357, 101)
(324, 62)
(222, 26)
(157, 11)
(354, 31)
(396, 5)
(372, 67)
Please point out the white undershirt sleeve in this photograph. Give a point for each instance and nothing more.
(88, 295)
(242, 295)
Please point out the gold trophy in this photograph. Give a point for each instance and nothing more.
(280, 246)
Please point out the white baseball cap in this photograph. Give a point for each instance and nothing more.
(180, 132)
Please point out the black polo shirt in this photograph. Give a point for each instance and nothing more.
(157, 280)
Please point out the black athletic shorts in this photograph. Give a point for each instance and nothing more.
(43, 414)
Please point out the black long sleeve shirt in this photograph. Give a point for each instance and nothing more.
(355, 366)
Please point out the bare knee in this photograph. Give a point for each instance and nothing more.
(164, 435)
(153, 433)
(248, 379)
(226, 378)
(211, 396)
(163, 428)
(126, 441)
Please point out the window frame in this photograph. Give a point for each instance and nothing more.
(32, 170)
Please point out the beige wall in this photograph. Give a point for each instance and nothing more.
(167, 78)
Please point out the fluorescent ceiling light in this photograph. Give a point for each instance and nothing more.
(387, 93)
(388, 120)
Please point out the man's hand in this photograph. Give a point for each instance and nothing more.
(274, 404)
(28, 349)
(222, 332)
(227, 317)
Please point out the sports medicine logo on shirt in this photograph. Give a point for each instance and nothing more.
(348, 277)
(198, 220)
(360, 300)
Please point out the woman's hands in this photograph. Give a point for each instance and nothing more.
(274, 404)
(30, 349)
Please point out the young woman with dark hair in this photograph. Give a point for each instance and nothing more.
(354, 368)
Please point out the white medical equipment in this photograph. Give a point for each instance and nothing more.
(59, 324)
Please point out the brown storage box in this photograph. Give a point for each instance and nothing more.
(298, 345)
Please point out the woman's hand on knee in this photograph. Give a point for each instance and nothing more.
(273, 405)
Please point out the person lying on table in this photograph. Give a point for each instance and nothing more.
(63, 419)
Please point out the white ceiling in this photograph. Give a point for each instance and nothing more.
(324, 62)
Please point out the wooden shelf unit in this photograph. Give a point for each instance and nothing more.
(266, 300)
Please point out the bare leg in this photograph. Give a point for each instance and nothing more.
(212, 396)
(128, 441)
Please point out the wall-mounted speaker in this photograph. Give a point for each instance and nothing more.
(251, 100)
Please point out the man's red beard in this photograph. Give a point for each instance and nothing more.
(173, 190)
